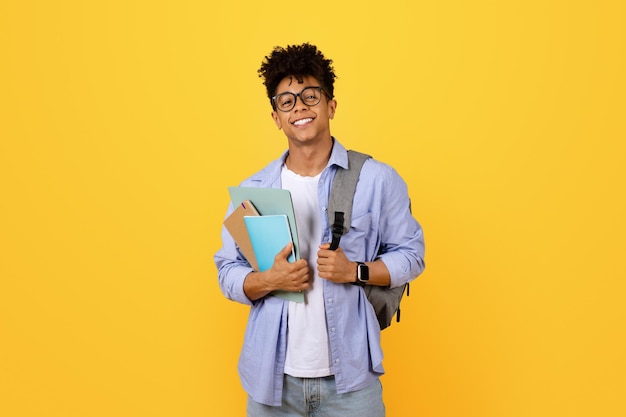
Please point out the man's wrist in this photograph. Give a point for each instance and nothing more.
(354, 277)
(362, 274)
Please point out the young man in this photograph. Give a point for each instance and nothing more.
(323, 356)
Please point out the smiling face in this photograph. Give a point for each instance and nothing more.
(304, 124)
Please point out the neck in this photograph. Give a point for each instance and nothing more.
(308, 161)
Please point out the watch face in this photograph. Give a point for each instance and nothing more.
(363, 273)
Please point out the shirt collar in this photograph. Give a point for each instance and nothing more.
(339, 155)
(270, 176)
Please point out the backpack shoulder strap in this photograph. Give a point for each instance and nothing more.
(343, 188)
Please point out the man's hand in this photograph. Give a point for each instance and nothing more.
(334, 266)
(283, 275)
(287, 276)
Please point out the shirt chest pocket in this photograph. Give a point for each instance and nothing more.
(360, 242)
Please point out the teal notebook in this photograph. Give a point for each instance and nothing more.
(268, 236)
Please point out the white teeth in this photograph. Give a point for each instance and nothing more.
(302, 121)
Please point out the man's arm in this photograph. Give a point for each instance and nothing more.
(400, 242)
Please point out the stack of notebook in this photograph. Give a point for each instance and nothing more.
(262, 224)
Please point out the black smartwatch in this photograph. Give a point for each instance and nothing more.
(362, 274)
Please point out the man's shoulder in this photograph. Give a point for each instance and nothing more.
(377, 176)
(265, 177)
(377, 169)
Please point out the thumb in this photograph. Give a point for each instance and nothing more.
(286, 251)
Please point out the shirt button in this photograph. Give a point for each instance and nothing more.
(336, 360)
(332, 329)
(330, 300)
(324, 208)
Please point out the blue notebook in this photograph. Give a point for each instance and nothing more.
(269, 235)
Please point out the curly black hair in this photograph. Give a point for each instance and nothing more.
(297, 61)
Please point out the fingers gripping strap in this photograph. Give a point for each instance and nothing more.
(343, 188)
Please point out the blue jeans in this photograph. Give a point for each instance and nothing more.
(317, 397)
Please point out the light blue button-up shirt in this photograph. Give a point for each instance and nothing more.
(382, 227)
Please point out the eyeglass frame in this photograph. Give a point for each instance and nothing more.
(295, 98)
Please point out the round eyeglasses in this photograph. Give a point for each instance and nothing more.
(310, 96)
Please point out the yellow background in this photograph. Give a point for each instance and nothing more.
(123, 122)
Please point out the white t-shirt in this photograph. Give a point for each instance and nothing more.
(307, 337)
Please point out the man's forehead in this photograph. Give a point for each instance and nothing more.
(290, 80)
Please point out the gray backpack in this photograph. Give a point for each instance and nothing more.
(385, 300)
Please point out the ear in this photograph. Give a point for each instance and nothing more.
(277, 120)
(332, 107)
